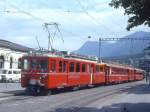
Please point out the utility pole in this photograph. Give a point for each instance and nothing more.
(121, 39)
(131, 51)
(99, 54)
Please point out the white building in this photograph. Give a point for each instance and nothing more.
(10, 53)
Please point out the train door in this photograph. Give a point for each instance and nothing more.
(91, 71)
(107, 73)
(73, 77)
(57, 73)
(134, 72)
(63, 73)
(129, 74)
(84, 77)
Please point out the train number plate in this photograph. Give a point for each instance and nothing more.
(32, 82)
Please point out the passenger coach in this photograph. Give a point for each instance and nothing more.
(43, 73)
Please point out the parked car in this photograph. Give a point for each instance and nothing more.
(10, 75)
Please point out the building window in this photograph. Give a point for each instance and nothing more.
(19, 63)
(1, 61)
(11, 62)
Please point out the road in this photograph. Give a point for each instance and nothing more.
(10, 87)
(97, 99)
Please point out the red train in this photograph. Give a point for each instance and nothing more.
(41, 74)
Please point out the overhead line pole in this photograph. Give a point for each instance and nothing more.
(117, 39)
(99, 57)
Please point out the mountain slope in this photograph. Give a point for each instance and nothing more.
(119, 48)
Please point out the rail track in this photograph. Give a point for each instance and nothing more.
(77, 104)
(73, 100)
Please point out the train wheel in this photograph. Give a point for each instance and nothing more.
(75, 88)
(28, 91)
(33, 90)
(45, 92)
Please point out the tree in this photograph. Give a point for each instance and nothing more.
(137, 10)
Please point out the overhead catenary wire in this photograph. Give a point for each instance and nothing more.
(24, 12)
(61, 35)
(131, 47)
(50, 36)
(38, 42)
(93, 18)
(19, 10)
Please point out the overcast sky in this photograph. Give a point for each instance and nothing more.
(22, 20)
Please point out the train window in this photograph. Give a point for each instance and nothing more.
(97, 68)
(25, 64)
(64, 66)
(83, 67)
(101, 68)
(71, 67)
(60, 66)
(33, 64)
(78, 67)
(53, 66)
(43, 64)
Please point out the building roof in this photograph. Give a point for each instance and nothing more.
(14, 46)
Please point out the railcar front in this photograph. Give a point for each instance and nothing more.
(34, 74)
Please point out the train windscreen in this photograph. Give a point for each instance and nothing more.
(35, 64)
(25, 64)
(43, 65)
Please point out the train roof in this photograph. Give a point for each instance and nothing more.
(83, 59)
(139, 69)
(69, 57)
(117, 65)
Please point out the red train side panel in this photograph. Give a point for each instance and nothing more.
(51, 72)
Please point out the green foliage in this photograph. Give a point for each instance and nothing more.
(138, 10)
